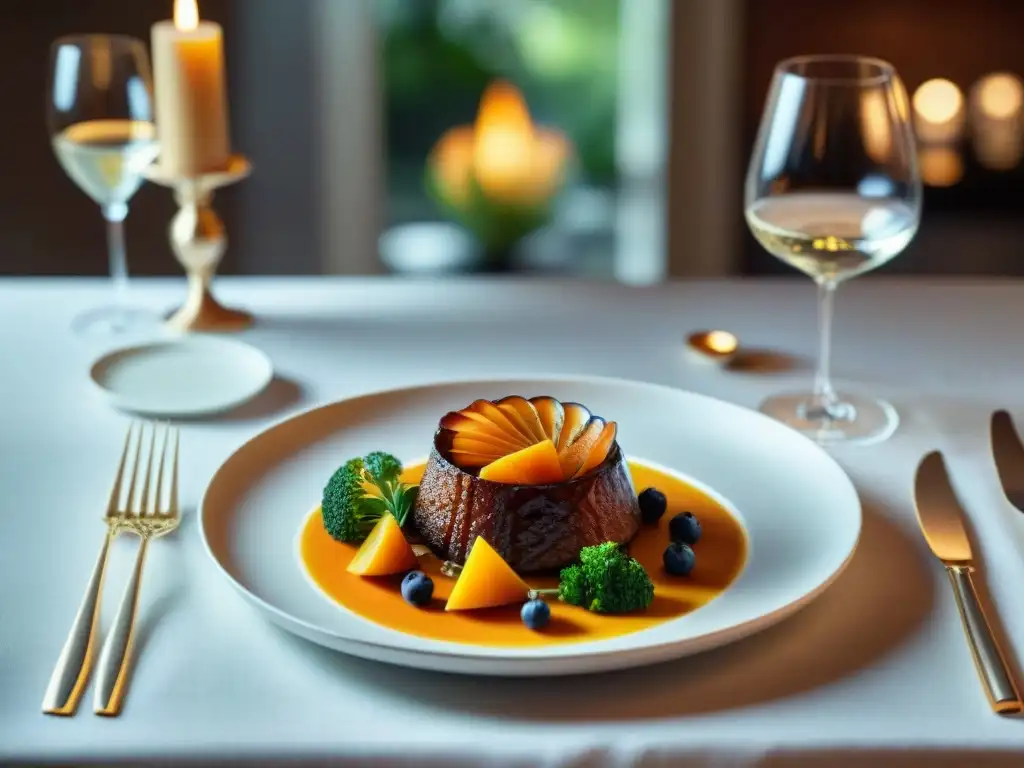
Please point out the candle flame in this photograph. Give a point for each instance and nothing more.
(503, 108)
(503, 140)
(511, 160)
(186, 15)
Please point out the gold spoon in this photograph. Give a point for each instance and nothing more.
(714, 346)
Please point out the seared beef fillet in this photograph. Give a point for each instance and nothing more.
(535, 528)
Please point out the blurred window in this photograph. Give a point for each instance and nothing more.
(564, 56)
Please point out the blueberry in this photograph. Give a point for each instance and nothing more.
(417, 588)
(684, 528)
(652, 505)
(535, 614)
(679, 559)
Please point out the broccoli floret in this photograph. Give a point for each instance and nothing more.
(340, 503)
(572, 588)
(360, 492)
(382, 467)
(607, 580)
(613, 581)
(630, 590)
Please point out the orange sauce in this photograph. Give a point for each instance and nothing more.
(720, 553)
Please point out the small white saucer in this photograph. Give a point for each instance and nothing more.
(193, 375)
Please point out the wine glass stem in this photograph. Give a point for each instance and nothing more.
(115, 214)
(825, 404)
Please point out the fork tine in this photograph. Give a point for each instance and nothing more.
(173, 511)
(130, 501)
(145, 508)
(158, 497)
(115, 491)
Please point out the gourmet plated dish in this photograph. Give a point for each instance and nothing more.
(523, 527)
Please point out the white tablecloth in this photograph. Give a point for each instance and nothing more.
(874, 672)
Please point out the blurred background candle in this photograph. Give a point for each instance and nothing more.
(940, 166)
(500, 176)
(938, 112)
(191, 103)
(999, 147)
(996, 120)
(512, 159)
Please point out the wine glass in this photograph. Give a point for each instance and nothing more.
(833, 190)
(100, 117)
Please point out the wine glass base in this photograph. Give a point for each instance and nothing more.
(858, 420)
(115, 321)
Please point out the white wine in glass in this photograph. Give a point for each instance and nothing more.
(100, 119)
(833, 190)
(832, 235)
(106, 157)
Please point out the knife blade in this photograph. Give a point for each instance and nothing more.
(941, 518)
(1008, 452)
(939, 513)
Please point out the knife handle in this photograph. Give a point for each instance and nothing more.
(988, 658)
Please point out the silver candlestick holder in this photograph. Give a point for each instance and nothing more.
(198, 240)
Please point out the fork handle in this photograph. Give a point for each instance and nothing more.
(75, 661)
(115, 658)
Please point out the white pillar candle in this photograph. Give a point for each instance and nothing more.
(190, 93)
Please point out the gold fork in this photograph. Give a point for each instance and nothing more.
(148, 516)
(71, 672)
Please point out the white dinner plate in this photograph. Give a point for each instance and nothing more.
(194, 375)
(799, 508)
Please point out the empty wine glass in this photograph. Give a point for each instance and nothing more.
(100, 117)
(833, 190)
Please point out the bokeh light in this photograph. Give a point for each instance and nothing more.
(876, 125)
(938, 110)
(940, 166)
(938, 100)
(999, 96)
(997, 101)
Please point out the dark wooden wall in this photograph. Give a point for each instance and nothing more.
(961, 40)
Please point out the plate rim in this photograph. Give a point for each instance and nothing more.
(731, 633)
(108, 356)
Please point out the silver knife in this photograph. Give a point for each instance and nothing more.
(1008, 452)
(941, 518)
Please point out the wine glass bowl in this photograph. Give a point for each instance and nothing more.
(100, 118)
(833, 190)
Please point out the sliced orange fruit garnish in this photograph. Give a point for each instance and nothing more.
(384, 552)
(476, 445)
(576, 418)
(525, 414)
(551, 416)
(575, 454)
(599, 452)
(501, 420)
(506, 438)
(476, 424)
(470, 460)
(486, 581)
(537, 465)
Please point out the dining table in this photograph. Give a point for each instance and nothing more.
(875, 671)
